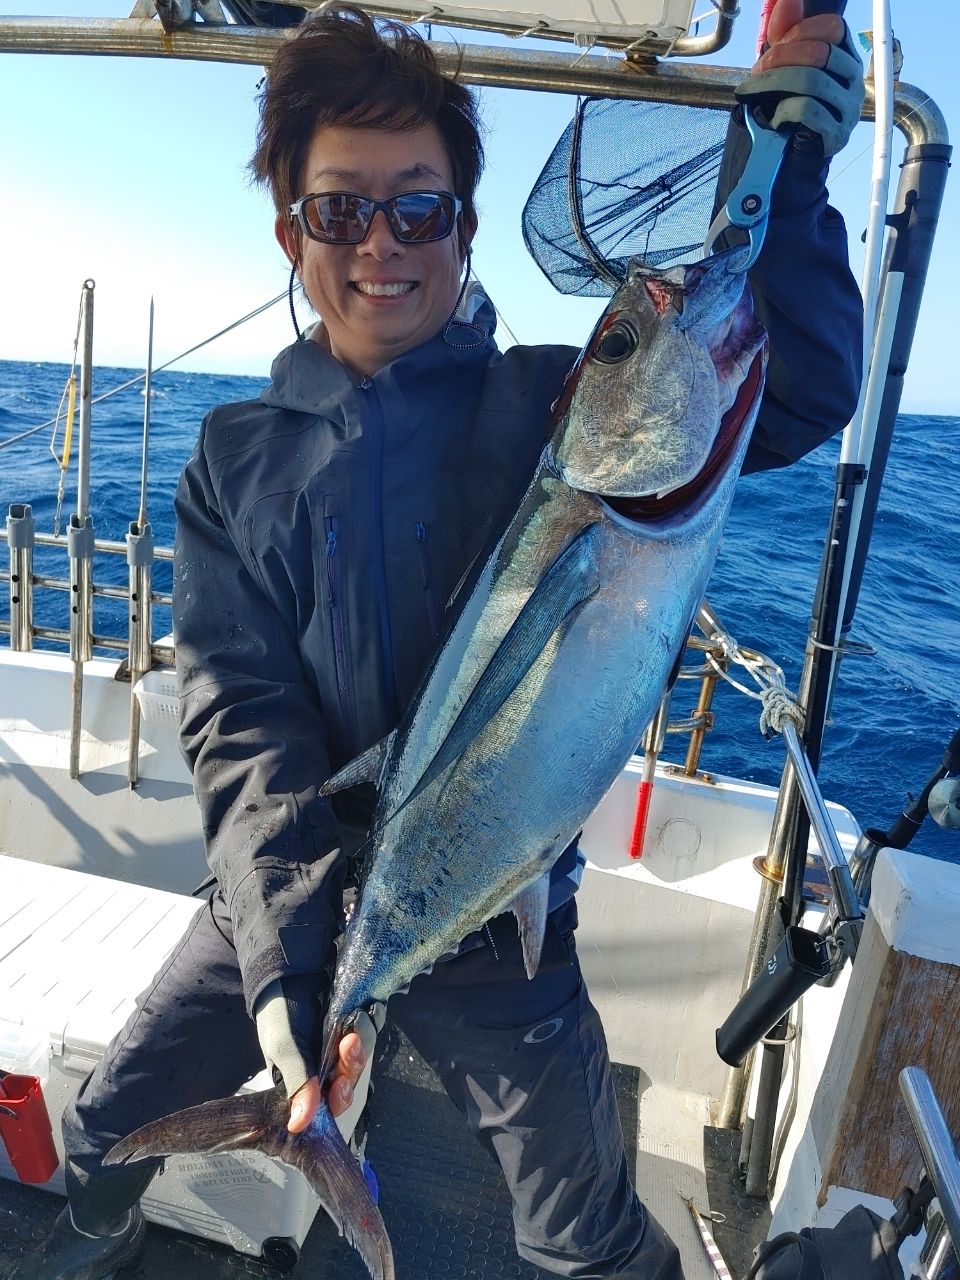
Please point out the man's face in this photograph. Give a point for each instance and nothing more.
(367, 329)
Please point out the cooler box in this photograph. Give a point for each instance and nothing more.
(75, 952)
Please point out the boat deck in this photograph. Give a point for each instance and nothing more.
(443, 1199)
(662, 943)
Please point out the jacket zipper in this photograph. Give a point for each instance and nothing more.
(423, 551)
(379, 557)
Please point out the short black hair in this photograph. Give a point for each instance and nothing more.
(340, 67)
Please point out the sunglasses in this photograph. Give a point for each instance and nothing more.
(340, 217)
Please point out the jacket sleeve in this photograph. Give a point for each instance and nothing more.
(252, 733)
(808, 300)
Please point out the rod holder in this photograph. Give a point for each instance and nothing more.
(801, 960)
(863, 859)
(80, 550)
(80, 542)
(21, 530)
(140, 548)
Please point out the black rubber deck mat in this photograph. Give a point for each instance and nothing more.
(746, 1219)
(444, 1200)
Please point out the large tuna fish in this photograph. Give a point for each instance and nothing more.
(563, 647)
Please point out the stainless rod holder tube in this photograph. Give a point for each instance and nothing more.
(21, 531)
(80, 550)
(140, 565)
(936, 1143)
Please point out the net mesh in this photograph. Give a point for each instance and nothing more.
(627, 179)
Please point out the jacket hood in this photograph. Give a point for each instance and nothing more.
(305, 377)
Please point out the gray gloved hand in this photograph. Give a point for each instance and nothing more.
(289, 1019)
(825, 102)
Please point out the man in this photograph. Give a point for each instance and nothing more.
(320, 529)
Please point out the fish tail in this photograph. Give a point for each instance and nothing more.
(227, 1124)
(336, 1177)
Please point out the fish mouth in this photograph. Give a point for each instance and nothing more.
(737, 419)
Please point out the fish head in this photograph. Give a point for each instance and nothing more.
(642, 407)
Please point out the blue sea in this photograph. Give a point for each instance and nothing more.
(892, 714)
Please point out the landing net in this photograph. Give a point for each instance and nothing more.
(627, 179)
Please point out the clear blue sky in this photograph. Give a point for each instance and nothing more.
(132, 171)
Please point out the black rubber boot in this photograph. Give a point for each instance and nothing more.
(70, 1254)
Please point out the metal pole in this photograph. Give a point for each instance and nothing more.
(702, 714)
(912, 228)
(140, 563)
(80, 540)
(936, 1142)
(20, 540)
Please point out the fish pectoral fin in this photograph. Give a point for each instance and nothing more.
(337, 1179)
(366, 767)
(227, 1124)
(572, 579)
(530, 908)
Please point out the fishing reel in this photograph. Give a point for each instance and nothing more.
(940, 797)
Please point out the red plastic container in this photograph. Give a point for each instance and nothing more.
(25, 1128)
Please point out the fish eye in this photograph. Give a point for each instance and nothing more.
(619, 342)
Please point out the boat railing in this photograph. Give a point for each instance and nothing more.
(23, 630)
(21, 538)
(941, 1250)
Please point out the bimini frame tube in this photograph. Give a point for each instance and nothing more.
(80, 540)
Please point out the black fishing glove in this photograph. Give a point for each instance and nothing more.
(825, 103)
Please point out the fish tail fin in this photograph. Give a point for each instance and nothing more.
(227, 1124)
(336, 1177)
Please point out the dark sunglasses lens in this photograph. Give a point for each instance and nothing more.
(422, 215)
(340, 219)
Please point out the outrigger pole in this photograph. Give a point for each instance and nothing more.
(140, 564)
(80, 539)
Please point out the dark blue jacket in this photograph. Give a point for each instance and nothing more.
(323, 527)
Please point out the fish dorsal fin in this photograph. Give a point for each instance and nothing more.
(571, 579)
(366, 767)
(530, 908)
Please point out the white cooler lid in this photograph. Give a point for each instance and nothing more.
(76, 949)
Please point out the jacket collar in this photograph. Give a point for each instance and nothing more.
(305, 377)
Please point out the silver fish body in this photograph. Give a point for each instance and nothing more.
(470, 817)
(559, 655)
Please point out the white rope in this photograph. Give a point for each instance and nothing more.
(778, 704)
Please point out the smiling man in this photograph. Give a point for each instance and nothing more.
(321, 529)
(390, 294)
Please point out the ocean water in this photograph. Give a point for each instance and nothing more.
(892, 714)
